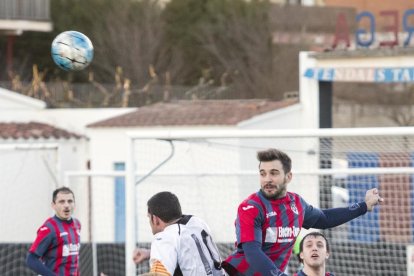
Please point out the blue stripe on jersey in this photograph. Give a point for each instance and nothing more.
(64, 238)
(51, 253)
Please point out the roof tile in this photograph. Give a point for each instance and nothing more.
(34, 130)
(199, 112)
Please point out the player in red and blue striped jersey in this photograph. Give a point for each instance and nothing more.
(55, 250)
(269, 221)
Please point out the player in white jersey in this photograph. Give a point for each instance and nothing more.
(182, 244)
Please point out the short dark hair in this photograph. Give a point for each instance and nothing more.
(312, 234)
(63, 190)
(274, 154)
(165, 205)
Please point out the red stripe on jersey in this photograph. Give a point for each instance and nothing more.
(247, 214)
(243, 266)
(59, 246)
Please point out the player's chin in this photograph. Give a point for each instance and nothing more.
(270, 193)
(66, 215)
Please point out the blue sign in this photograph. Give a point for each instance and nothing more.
(386, 75)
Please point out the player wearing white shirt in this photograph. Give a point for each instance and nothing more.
(182, 244)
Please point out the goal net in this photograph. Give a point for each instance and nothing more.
(211, 172)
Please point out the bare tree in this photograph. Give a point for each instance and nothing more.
(242, 49)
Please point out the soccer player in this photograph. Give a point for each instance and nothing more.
(313, 253)
(55, 250)
(269, 221)
(182, 244)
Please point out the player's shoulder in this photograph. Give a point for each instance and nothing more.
(76, 222)
(48, 223)
(169, 237)
(253, 203)
(196, 222)
(251, 199)
(295, 197)
(46, 227)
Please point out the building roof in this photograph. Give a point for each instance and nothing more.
(34, 130)
(13, 100)
(194, 113)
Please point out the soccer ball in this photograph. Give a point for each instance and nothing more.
(72, 51)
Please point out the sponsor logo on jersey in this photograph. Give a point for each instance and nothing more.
(294, 208)
(281, 234)
(271, 214)
(70, 249)
(43, 228)
(288, 232)
(247, 207)
(63, 234)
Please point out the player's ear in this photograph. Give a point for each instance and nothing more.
(156, 220)
(301, 256)
(327, 256)
(288, 177)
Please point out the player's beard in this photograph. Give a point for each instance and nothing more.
(279, 193)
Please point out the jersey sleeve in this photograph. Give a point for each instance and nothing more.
(163, 258)
(249, 222)
(312, 214)
(42, 242)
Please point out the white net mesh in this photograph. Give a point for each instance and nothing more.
(211, 176)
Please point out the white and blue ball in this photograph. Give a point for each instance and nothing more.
(72, 51)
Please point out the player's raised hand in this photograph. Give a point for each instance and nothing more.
(140, 255)
(372, 198)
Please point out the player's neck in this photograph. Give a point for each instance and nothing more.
(173, 221)
(62, 219)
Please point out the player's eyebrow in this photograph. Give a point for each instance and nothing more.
(272, 170)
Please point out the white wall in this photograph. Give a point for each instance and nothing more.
(28, 178)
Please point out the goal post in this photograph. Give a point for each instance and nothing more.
(211, 171)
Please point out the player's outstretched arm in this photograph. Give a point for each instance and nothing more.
(336, 216)
(140, 255)
(372, 198)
